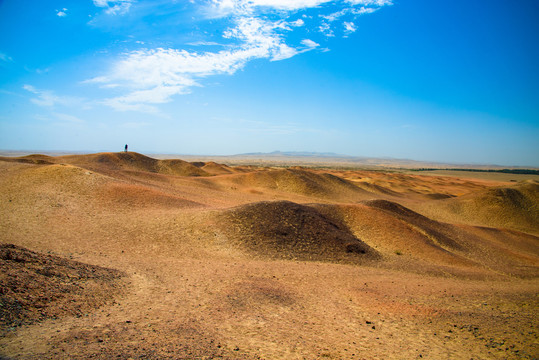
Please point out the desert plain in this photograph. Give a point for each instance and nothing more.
(123, 256)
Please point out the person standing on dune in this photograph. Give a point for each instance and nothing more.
(125, 147)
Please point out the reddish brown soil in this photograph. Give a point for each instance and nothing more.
(125, 256)
(35, 287)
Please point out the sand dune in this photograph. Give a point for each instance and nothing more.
(300, 182)
(262, 263)
(216, 169)
(286, 230)
(133, 161)
(433, 187)
(515, 207)
(30, 159)
(106, 162)
(402, 235)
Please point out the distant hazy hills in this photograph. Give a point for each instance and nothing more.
(301, 158)
(334, 158)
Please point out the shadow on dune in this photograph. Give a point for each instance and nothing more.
(286, 230)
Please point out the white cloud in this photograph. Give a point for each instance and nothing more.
(336, 15)
(309, 43)
(364, 10)
(284, 52)
(370, 2)
(45, 98)
(258, 30)
(349, 27)
(154, 76)
(287, 4)
(114, 7)
(61, 13)
(48, 98)
(220, 8)
(297, 23)
(325, 29)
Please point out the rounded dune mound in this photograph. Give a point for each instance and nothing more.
(214, 168)
(112, 161)
(374, 188)
(392, 207)
(393, 235)
(286, 230)
(439, 233)
(301, 182)
(30, 159)
(132, 161)
(400, 233)
(514, 207)
(36, 287)
(41, 181)
(180, 168)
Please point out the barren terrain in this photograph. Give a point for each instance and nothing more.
(119, 255)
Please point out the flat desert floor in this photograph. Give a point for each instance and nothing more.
(122, 256)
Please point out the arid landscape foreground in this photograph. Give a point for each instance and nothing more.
(122, 256)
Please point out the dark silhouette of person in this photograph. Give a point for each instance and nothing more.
(125, 147)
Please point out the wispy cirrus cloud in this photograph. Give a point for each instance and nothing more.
(114, 7)
(257, 29)
(47, 98)
(68, 118)
(5, 58)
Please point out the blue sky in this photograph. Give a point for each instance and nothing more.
(448, 81)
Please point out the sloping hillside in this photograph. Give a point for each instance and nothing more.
(107, 162)
(403, 235)
(300, 182)
(285, 230)
(514, 207)
(36, 287)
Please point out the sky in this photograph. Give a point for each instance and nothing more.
(446, 81)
